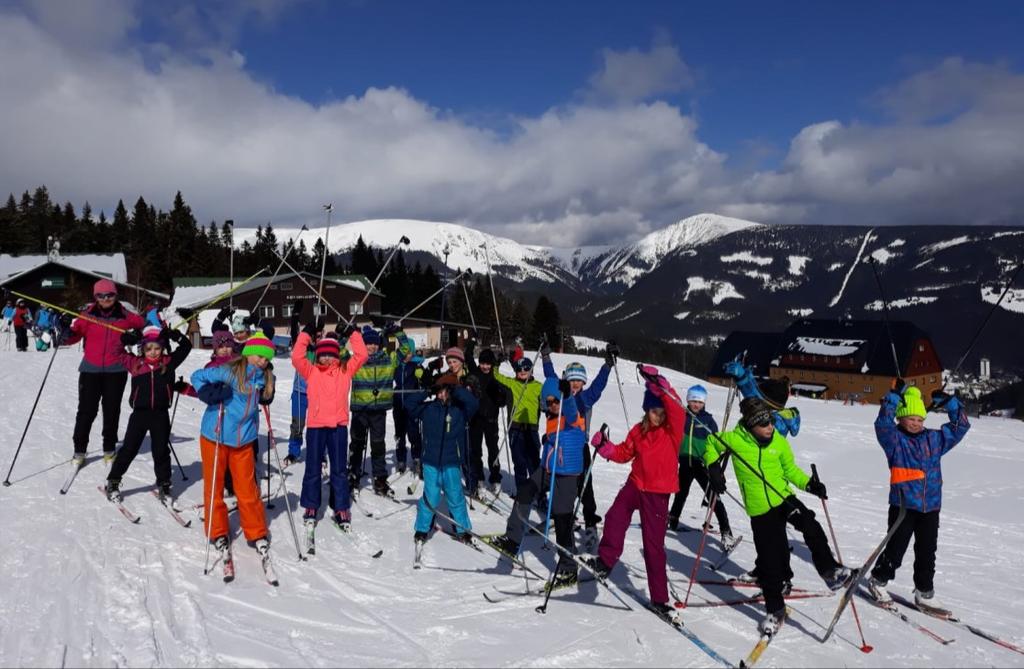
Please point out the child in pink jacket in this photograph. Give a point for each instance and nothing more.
(327, 386)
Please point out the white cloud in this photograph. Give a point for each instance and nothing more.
(639, 75)
(114, 121)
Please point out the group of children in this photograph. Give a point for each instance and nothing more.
(454, 410)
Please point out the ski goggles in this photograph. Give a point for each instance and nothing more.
(759, 419)
(523, 365)
(105, 296)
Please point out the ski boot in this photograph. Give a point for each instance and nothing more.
(262, 546)
(728, 540)
(839, 578)
(504, 545)
(343, 520)
(400, 468)
(108, 457)
(667, 613)
(598, 567)
(747, 577)
(420, 537)
(113, 490)
(78, 460)
(771, 623)
(879, 592)
(495, 488)
(163, 491)
(929, 603)
(417, 468)
(381, 487)
(787, 588)
(221, 545)
(564, 579)
(464, 538)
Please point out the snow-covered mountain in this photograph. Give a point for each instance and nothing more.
(708, 275)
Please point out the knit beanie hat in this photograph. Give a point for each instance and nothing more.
(776, 391)
(575, 371)
(755, 411)
(151, 335)
(328, 346)
(652, 401)
(487, 357)
(222, 338)
(697, 393)
(104, 286)
(455, 352)
(912, 404)
(371, 336)
(258, 344)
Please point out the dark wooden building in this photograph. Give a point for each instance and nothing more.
(67, 281)
(840, 359)
(276, 298)
(756, 348)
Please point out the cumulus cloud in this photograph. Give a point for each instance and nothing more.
(105, 123)
(634, 74)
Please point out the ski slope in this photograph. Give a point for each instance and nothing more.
(83, 587)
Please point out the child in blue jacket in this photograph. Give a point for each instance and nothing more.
(914, 453)
(561, 463)
(444, 419)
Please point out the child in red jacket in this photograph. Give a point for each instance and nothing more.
(653, 447)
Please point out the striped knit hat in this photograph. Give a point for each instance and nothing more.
(575, 371)
(455, 352)
(151, 335)
(328, 346)
(258, 344)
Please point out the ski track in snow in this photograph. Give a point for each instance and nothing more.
(853, 266)
(86, 588)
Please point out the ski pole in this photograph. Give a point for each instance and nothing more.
(554, 466)
(437, 292)
(700, 548)
(213, 489)
(469, 306)
(320, 299)
(270, 504)
(70, 312)
(404, 241)
(271, 444)
(853, 605)
(170, 435)
(21, 442)
(885, 316)
(277, 271)
(329, 208)
(622, 396)
(586, 476)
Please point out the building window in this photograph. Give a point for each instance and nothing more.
(355, 308)
(867, 389)
(331, 286)
(931, 379)
(286, 310)
(266, 311)
(320, 309)
(284, 285)
(52, 282)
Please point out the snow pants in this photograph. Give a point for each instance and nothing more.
(21, 337)
(562, 501)
(241, 462)
(300, 403)
(332, 441)
(772, 545)
(449, 480)
(406, 427)
(524, 443)
(653, 508)
(94, 388)
(692, 469)
(481, 430)
(372, 424)
(158, 424)
(924, 528)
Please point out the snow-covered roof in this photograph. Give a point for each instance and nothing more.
(111, 265)
(191, 292)
(825, 346)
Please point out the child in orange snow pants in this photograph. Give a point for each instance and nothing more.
(241, 463)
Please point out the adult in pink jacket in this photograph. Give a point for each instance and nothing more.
(102, 375)
(328, 381)
(653, 447)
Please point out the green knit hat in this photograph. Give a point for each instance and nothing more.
(912, 404)
(259, 345)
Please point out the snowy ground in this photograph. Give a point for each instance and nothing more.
(85, 588)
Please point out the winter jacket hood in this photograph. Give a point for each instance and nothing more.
(153, 382)
(915, 461)
(327, 387)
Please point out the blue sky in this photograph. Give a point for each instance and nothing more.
(581, 122)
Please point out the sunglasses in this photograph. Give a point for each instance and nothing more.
(552, 401)
(105, 296)
(761, 420)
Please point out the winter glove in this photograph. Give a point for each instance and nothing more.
(225, 314)
(892, 398)
(816, 488)
(716, 478)
(940, 399)
(649, 373)
(607, 450)
(545, 350)
(180, 385)
(65, 321)
(378, 321)
(265, 401)
(611, 354)
(601, 436)
(735, 369)
(391, 328)
(215, 393)
(174, 334)
(314, 329)
(899, 385)
(131, 337)
(564, 388)
(953, 407)
(185, 312)
(344, 334)
(436, 364)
